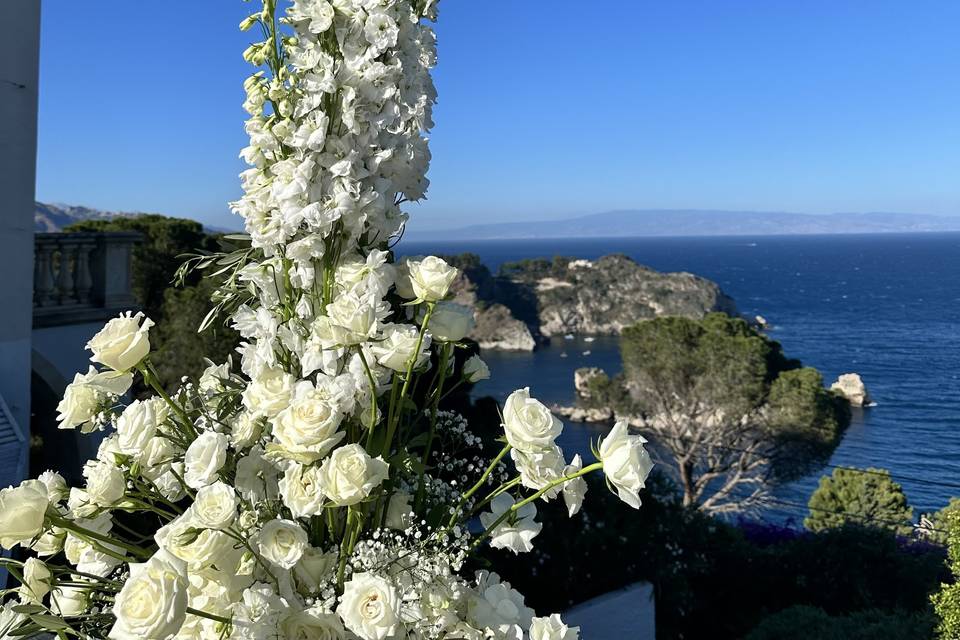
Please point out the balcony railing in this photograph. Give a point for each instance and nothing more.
(81, 277)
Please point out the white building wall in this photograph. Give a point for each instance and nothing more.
(625, 614)
(19, 61)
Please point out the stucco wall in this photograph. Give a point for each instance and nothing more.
(19, 57)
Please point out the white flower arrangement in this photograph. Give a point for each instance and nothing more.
(308, 493)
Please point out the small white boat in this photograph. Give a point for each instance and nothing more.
(587, 352)
(569, 336)
(589, 339)
(563, 354)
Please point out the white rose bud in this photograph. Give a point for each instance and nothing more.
(22, 511)
(350, 474)
(431, 278)
(574, 490)
(282, 542)
(528, 424)
(153, 600)
(215, 506)
(204, 458)
(36, 581)
(475, 369)
(403, 284)
(370, 607)
(626, 463)
(552, 628)
(451, 322)
(122, 343)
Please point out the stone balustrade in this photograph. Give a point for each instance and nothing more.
(81, 277)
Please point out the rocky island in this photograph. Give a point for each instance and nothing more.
(529, 301)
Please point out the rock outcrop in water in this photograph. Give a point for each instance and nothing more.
(851, 387)
(531, 300)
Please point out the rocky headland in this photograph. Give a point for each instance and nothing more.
(529, 301)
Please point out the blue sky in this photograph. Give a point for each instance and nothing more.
(548, 108)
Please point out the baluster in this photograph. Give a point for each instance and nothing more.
(82, 276)
(43, 275)
(65, 276)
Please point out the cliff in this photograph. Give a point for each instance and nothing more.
(531, 300)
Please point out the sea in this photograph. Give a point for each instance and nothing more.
(886, 306)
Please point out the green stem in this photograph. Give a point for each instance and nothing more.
(441, 378)
(515, 507)
(482, 481)
(392, 427)
(208, 616)
(70, 525)
(150, 377)
(373, 397)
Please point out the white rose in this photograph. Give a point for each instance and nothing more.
(400, 514)
(200, 548)
(626, 463)
(22, 511)
(352, 319)
(282, 542)
(211, 380)
(552, 628)
(528, 424)
(430, 278)
(312, 623)
(36, 581)
(204, 458)
(105, 483)
(49, 543)
(136, 425)
(574, 490)
(397, 345)
(87, 393)
(475, 369)
(57, 489)
(451, 322)
(302, 490)
(215, 506)
(69, 601)
(153, 601)
(370, 607)
(314, 568)
(497, 607)
(517, 531)
(269, 393)
(122, 343)
(350, 474)
(307, 429)
(402, 283)
(245, 429)
(540, 468)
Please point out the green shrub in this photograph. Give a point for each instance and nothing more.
(860, 496)
(803, 623)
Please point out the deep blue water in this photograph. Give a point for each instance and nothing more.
(884, 306)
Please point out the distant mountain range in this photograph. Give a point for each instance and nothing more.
(695, 222)
(640, 222)
(55, 217)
